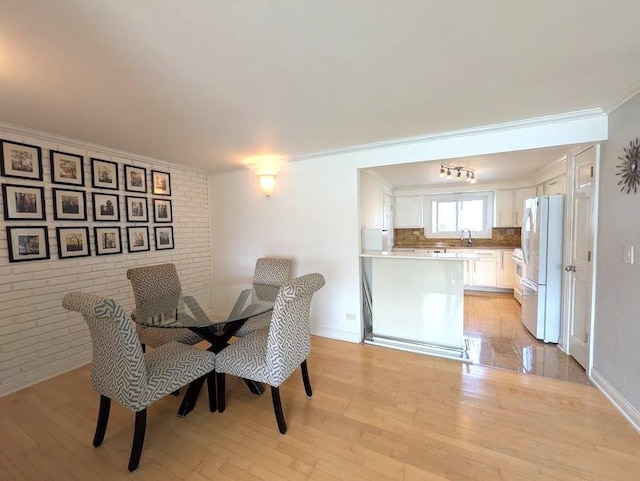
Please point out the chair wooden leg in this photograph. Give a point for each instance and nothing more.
(103, 420)
(211, 387)
(221, 394)
(277, 408)
(305, 378)
(138, 439)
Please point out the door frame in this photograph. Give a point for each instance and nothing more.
(567, 307)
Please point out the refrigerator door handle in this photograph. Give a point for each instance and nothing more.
(528, 284)
(525, 235)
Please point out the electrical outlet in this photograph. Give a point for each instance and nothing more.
(350, 316)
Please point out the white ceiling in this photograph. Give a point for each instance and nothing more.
(206, 83)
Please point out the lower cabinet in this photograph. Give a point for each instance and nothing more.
(506, 269)
(493, 268)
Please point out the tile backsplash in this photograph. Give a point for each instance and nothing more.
(501, 237)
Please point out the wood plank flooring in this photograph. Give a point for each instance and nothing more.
(496, 337)
(376, 414)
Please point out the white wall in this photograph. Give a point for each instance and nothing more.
(38, 338)
(313, 213)
(616, 356)
(371, 201)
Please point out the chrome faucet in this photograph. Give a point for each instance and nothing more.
(469, 241)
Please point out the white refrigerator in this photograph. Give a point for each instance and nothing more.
(542, 239)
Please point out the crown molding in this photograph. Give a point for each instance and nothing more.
(79, 144)
(625, 95)
(375, 175)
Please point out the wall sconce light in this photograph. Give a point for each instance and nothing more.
(267, 183)
(445, 172)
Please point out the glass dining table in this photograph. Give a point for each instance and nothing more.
(184, 311)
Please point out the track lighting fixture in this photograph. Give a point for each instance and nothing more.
(446, 172)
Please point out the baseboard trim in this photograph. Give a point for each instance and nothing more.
(630, 413)
(51, 371)
(337, 334)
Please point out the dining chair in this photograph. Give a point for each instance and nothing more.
(157, 291)
(271, 355)
(271, 272)
(120, 370)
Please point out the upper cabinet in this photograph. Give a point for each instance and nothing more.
(510, 206)
(557, 185)
(408, 212)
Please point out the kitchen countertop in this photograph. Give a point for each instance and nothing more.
(412, 254)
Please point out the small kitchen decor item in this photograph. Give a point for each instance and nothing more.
(138, 238)
(164, 238)
(20, 160)
(162, 210)
(23, 202)
(161, 182)
(629, 170)
(69, 204)
(136, 209)
(106, 207)
(104, 174)
(108, 240)
(73, 242)
(67, 168)
(28, 243)
(135, 179)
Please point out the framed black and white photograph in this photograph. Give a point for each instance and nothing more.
(135, 179)
(137, 210)
(161, 182)
(104, 174)
(106, 207)
(67, 168)
(108, 240)
(162, 210)
(28, 243)
(69, 204)
(164, 238)
(23, 202)
(73, 242)
(138, 238)
(20, 160)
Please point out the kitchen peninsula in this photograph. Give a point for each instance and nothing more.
(414, 301)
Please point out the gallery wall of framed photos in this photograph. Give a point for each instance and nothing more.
(98, 205)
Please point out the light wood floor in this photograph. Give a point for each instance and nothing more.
(376, 414)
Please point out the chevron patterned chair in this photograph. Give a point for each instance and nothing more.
(156, 290)
(271, 355)
(271, 272)
(121, 371)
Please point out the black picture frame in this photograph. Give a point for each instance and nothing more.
(135, 179)
(67, 169)
(160, 183)
(108, 240)
(137, 209)
(162, 211)
(23, 202)
(73, 242)
(28, 243)
(164, 237)
(22, 161)
(138, 238)
(69, 204)
(104, 174)
(106, 207)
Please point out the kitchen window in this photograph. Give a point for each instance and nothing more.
(447, 214)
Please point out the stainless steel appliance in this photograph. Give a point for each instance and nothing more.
(542, 239)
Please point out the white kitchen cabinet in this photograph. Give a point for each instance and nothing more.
(506, 269)
(408, 212)
(481, 272)
(509, 206)
(555, 186)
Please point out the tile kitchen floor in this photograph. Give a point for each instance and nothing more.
(496, 337)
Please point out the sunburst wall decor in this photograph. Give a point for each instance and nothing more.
(629, 170)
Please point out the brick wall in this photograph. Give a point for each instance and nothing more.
(38, 338)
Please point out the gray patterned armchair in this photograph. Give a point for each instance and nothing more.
(271, 272)
(157, 290)
(271, 355)
(121, 371)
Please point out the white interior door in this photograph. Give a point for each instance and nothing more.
(580, 268)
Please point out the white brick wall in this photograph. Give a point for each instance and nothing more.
(38, 338)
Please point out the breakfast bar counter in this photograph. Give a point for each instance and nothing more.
(415, 301)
